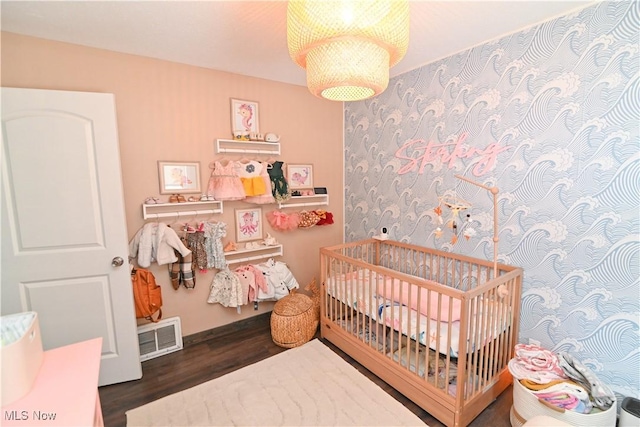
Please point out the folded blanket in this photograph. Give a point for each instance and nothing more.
(535, 363)
(601, 395)
(565, 401)
(567, 395)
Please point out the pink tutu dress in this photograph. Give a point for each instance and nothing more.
(224, 182)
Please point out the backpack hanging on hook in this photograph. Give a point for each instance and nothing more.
(147, 294)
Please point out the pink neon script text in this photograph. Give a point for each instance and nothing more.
(431, 152)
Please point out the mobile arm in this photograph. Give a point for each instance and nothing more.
(494, 191)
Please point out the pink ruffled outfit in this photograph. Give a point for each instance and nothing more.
(281, 221)
(224, 182)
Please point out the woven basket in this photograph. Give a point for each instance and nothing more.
(295, 318)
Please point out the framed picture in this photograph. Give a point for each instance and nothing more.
(300, 176)
(244, 117)
(179, 177)
(248, 224)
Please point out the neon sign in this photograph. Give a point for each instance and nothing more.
(428, 152)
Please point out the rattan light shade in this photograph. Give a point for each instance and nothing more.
(348, 46)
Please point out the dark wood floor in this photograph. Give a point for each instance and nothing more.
(214, 353)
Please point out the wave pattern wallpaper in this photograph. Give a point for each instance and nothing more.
(549, 115)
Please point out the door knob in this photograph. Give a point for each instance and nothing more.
(117, 262)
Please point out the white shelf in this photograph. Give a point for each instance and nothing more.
(246, 255)
(303, 201)
(255, 147)
(177, 210)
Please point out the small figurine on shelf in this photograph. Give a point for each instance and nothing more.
(270, 240)
(271, 137)
(255, 136)
(241, 135)
(231, 246)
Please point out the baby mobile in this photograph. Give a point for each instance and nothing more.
(462, 225)
(455, 218)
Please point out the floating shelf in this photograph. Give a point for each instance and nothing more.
(255, 147)
(177, 210)
(302, 201)
(246, 255)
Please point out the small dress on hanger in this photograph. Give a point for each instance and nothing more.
(279, 185)
(214, 232)
(250, 175)
(224, 182)
(196, 242)
(267, 197)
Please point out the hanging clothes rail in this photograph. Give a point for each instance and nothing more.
(176, 210)
(255, 147)
(301, 201)
(260, 253)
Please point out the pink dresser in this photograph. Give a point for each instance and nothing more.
(65, 392)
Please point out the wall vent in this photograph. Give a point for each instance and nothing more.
(158, 339)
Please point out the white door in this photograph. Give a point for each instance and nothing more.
(63, 223)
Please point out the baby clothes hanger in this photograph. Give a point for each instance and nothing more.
(187, 228)
(175, 220)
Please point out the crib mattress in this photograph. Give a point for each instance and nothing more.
(354, 288)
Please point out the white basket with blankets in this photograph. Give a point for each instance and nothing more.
(527, 406)
(558, 386)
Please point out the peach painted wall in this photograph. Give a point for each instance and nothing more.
(171, 111)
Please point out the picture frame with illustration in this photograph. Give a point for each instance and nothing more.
(248, 224)
(179, 177)
(300, 176)
(244, 117)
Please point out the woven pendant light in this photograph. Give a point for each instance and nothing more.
(348, 46)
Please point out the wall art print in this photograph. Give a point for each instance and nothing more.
(248, 224)
(564, 97)
(179, 177)
(300, 176)
(244, 118)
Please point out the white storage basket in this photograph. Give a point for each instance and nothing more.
(526, 405)
(515, 418)
(21, 354)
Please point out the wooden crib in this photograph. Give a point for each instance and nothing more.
(438, 327)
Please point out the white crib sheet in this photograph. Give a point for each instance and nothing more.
(355, 293)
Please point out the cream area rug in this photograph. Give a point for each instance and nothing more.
(303, 386)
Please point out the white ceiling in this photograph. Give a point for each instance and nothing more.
(249, 37)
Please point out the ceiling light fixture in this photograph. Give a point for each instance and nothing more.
(348, 46)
